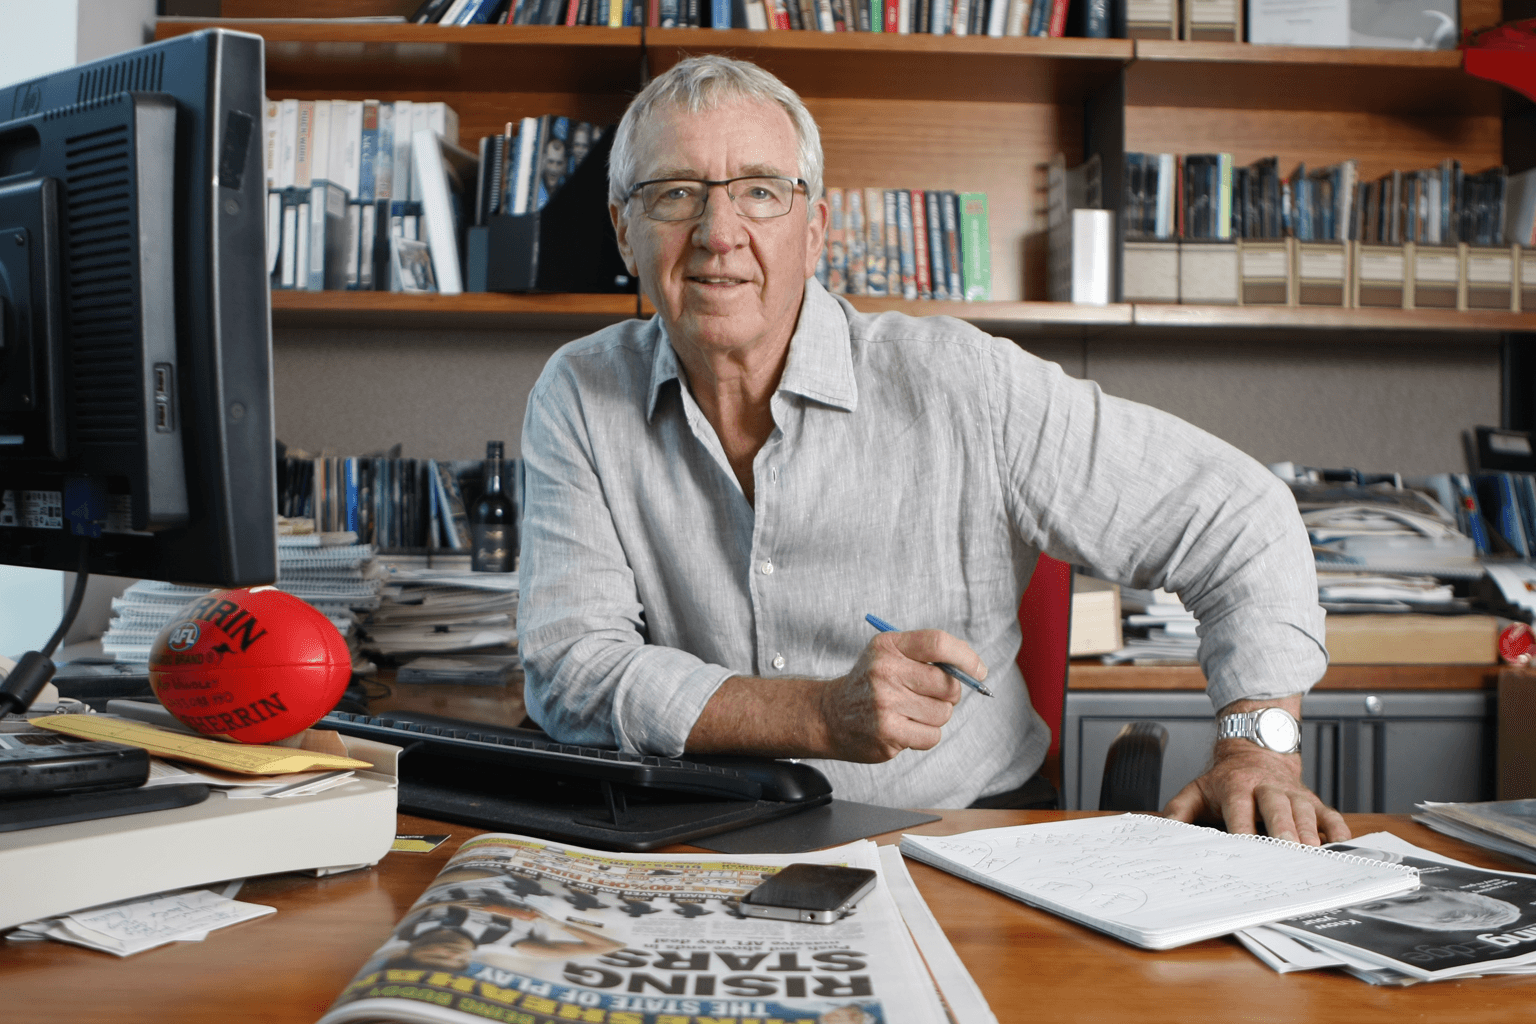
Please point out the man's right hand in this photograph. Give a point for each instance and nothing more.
(893, 698)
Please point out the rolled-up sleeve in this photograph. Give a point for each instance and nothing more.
(1143, 498)
(591, 674)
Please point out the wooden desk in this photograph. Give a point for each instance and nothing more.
(286, 968)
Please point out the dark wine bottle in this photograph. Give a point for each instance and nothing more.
(492, 527)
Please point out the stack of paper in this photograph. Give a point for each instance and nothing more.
(136, 925)
(329, 571)
(1504, 826)
(1159, 630)
(443, 610)
(1462, 922)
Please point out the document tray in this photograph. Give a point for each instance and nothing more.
(520, 780)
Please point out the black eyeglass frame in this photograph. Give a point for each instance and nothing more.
(800, 183)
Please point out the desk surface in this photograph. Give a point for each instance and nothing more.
(287, 967)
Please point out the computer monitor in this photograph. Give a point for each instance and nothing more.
(135, 328)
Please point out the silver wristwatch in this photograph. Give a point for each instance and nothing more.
(1271, 728)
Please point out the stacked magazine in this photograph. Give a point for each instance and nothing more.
(436, 605)
(1504, 826)
(329, 571)
(1461, 922)
(527, 930)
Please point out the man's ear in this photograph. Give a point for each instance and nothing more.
(621, 233)
(815, 234)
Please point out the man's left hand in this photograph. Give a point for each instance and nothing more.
(1247, 783)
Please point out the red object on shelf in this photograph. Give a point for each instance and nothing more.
(1514, 68)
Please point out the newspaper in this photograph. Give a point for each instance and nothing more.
(1462, 921)
(523, 930)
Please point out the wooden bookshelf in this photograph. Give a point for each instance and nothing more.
(964, 113)
(1091, 675)
(1147, 320)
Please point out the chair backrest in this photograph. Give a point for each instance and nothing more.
(1045, 617)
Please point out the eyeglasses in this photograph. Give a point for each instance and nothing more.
(758, 197)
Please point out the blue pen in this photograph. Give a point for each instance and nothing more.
(943, 666)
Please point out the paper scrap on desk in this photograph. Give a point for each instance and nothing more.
(417, 844)
(233, 757)
(136, 925)
(962, 996)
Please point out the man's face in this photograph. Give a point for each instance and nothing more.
(554, 162)
(722, 283)
(446, 952)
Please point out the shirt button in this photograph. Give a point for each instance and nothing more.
(767, 567)
(778, 661)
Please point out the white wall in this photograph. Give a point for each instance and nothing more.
(39, 38)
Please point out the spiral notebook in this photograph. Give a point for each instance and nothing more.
(1158, 883)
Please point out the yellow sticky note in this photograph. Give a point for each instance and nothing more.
(232, 757)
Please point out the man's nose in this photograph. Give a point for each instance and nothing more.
(720, 228)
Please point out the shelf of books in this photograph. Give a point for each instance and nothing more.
(973, 114)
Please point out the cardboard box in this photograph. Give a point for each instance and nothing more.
(1490, 278)
(1322, 273)
(1380, 276)
(1437, 279)
(1413, 639)
(1208, 274)
(1264, 268)
(1150, 271)
(1095, 618)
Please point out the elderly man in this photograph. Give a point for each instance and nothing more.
(717, 496)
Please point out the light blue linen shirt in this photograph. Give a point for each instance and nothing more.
(916, 470)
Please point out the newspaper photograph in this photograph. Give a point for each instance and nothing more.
(1462, 920)
(532, 932)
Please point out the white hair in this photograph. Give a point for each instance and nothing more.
(705, 83)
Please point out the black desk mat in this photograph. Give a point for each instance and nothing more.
(832, 824)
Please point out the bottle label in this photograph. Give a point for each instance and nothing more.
(492, 549)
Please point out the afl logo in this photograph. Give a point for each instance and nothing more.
(183, 636)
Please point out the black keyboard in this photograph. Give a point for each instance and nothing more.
(523, 781)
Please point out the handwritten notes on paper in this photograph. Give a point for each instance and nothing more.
(136, 925)
(1155, 882)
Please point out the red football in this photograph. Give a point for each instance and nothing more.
(255, 665)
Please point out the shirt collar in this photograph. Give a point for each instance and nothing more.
(820, 364)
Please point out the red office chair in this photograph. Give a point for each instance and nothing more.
(1133, 767)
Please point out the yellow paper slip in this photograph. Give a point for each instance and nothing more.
(232, 757)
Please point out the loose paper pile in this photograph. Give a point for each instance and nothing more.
(133, 926)
(1504, 826)
(1462, 922)
(443, 609)
(329, 571)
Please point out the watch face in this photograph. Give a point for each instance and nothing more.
(1277, 730)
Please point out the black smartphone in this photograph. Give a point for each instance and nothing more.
(816, 893)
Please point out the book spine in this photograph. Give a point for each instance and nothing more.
(875, 281)
(905, 243)
(837, 249)
(892, 243)
(920, 244)
(1058, 20)
(951, 213)
(891, 11)
(936, 249)
(1096, 19)
(858, 265)
(301, 161)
